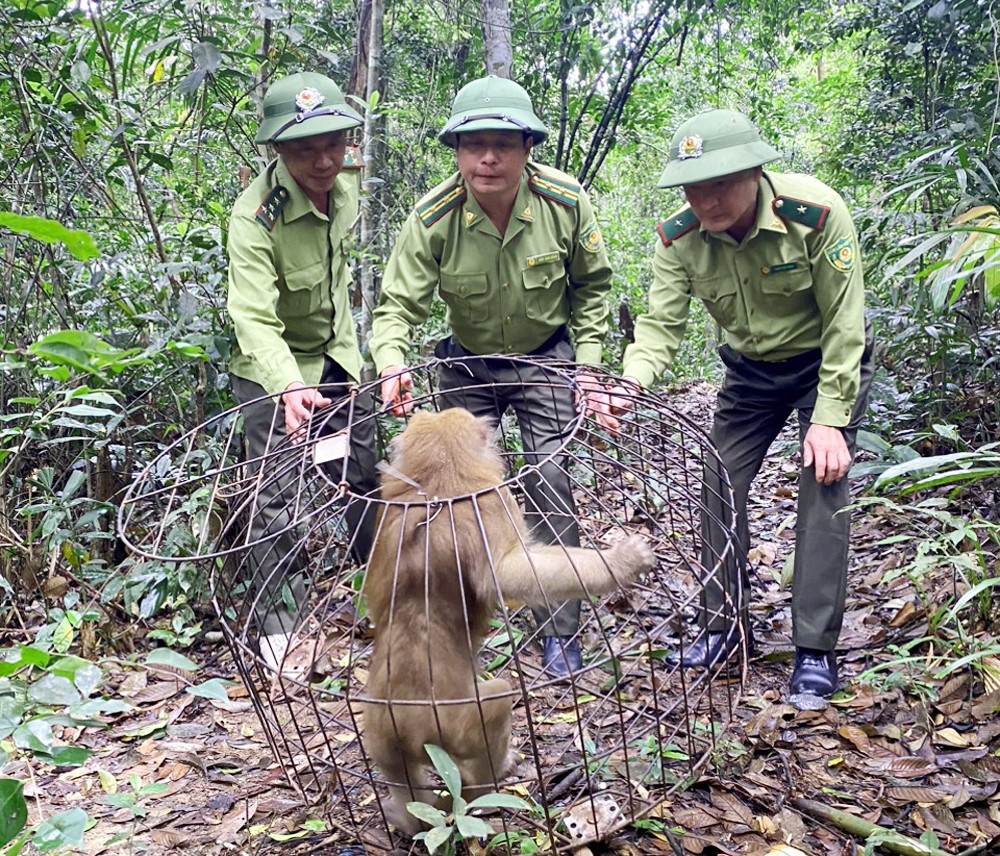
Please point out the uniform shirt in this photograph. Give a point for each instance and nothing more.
(289, 282)
(504, 294)
(792, 285)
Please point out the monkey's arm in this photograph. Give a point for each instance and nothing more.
(546, 575)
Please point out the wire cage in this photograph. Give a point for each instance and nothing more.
(281, 535)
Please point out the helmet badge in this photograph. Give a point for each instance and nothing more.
(690, 147)
(308, 99)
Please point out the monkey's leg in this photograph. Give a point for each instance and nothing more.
(487, 726)
(400, 795)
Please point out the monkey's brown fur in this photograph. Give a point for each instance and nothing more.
(448, 537)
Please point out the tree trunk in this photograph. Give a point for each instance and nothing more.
(372, 207)
(496, 37)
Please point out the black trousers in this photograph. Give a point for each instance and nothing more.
(545, 408)
(755, 402)
(278, 564)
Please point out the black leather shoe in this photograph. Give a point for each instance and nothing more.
(561, 656)
(712, 647)
(815, 672)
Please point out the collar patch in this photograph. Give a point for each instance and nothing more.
(270, 209)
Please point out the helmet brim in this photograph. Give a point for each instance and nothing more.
(716, 164)
(510, 120)
(271, 130)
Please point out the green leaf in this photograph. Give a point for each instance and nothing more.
(13, 810)
(34, 735)
(87, 679)
(169, 657)
(502, 801)
(53, 690)
(68, 666)
(143, 730)
(436, 837)
(872, 442)
(99, 706)
(427, 813)
(61, 830)
(66, 756)
(446, 768)
(11, 712)
(473, 827)
(87, 410)
(214, 688)
(78, 242)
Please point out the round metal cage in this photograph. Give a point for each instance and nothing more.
(596, 751)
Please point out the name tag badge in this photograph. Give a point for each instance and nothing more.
(543, 259)
(784, 267)
(332, 448)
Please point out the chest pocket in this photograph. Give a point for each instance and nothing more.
(545, 291)
(467, 296)
(790, 292)
(719, 296)
(303, 291)
(787, 282)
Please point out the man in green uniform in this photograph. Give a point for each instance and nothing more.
(290, 237)
(774, 258)
(515, 252)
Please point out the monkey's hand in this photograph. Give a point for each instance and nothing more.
(397, 390)
(630, 558)
(300, 401)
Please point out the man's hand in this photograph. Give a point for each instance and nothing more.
(621, 396)
(397, 390)
(300, 402)
(596, 399)
(826, 449)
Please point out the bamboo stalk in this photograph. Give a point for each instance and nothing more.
(862, 829)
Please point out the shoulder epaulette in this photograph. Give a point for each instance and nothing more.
(270, 208)
(430, 209)
(799, 211)
(353, 159)
(565, 191)
(677, 226)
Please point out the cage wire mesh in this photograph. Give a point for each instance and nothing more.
(279, 535)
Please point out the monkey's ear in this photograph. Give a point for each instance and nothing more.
(486, 430)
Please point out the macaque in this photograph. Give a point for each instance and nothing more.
(451, 542)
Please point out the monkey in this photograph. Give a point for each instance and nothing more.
(450, 543)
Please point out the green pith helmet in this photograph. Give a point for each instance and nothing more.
(713, 144)
(492, 104)
(303, 105)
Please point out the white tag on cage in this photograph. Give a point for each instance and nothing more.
(332, 448)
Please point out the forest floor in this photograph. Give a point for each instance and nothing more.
(908, 751)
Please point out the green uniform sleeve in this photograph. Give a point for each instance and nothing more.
(408, 284)
(589, 280)
(659, 332)
(252, 302)
(838, 286)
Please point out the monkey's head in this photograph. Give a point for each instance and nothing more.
(436, 447)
